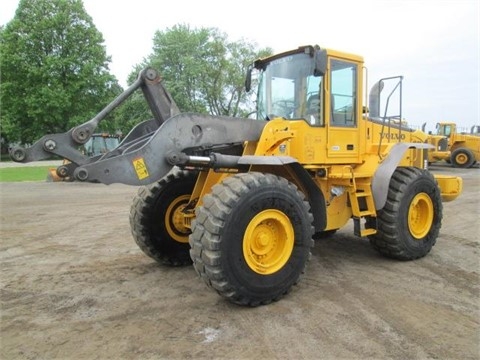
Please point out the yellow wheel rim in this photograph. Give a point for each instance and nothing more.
(268, 242)
(461, 159)
(174, 219)
(420, 215)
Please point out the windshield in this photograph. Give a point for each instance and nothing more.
(443, 129)
(98, 145)
(288, 89)
(111, 143)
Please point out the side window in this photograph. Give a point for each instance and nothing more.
(448, 130)
(343, 94)
(314, 104)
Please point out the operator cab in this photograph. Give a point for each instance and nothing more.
(444, 129)
(292, 85)
(321, 87)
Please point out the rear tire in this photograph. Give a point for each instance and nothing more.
(252, 237)
(156, 222)
(462, 158)
(410, 221)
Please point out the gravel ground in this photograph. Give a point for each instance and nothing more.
(75, 286)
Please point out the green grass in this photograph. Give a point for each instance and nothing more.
(26, 173)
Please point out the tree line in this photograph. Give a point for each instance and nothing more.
(55, 72)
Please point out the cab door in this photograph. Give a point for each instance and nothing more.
(342, 111)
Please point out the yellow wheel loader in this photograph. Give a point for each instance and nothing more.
(464, 147)
(243, 199)
(459, 149)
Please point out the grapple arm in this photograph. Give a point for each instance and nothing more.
(151, 148)
(152, 158)
(66, 144)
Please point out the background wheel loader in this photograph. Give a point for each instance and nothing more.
(462, 149)
(97, 145)
(242, 199)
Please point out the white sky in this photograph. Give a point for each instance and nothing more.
(434, 44)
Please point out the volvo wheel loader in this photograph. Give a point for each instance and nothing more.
(97, 145)
(243, 199)
(464, 147)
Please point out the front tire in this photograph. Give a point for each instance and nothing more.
(156, 221)
(409, 223)
(252, 237)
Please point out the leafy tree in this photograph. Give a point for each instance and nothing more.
(202, 69)
(54, 69)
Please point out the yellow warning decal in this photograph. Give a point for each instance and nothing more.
(140, 168)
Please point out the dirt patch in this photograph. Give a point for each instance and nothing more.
(74, 285)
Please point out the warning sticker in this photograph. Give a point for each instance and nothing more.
(140, 168)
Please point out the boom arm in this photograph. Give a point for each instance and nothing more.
(65, 144)
(151, 148)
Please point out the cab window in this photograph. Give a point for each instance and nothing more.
(288, 89)
(314, 104)
(343, 94)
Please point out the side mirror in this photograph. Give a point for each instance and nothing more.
(248, 79)
(320, 62)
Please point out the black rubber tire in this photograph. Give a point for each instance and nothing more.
(462, 158)
(218, 242)
(149, 223)
(324, 234)
(394, 237)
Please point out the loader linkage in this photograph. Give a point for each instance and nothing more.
(151, 148)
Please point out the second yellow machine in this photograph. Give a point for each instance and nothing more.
(463, 149)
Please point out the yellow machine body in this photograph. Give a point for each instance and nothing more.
(342, 152)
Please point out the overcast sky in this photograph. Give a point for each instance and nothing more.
(434, 44)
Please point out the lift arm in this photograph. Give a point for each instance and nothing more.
(151, 148)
